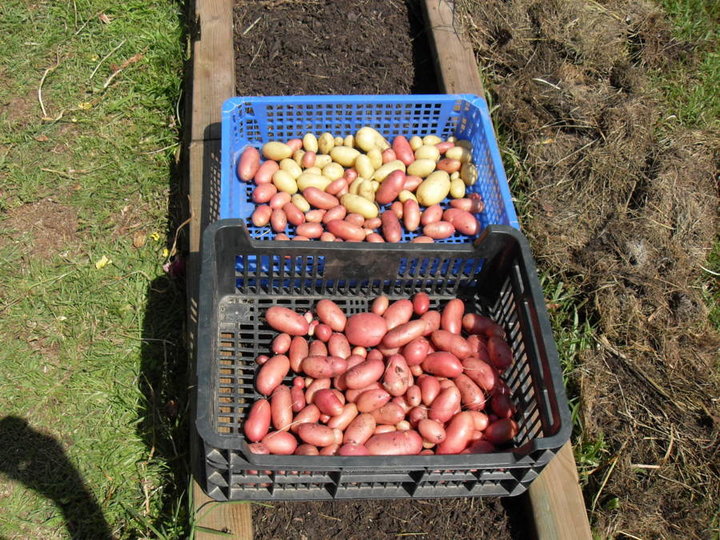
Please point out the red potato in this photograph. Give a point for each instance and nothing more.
(452, 315)
(432, 214)
(353, 450)
(257, 423)
(375, 238)
(411, 215)
(272, 373)
(473, 323)
(388, 155)
(384, 428)
(355, 219)
(413, 396)
(480, 372)
(501, 431)
(258, 448)
(449, 165)
(306, 450)
(320, 199)
(478, 348)
(365, 373)
(480, 419)
(336, 186)
(432, 319)
(395, 379)
(278, 220)
(502, 405)
(471, 396)
(429, 387)
(479, 447)
(445, 404)
(330, 450)
(431, 431)
(391, 228)
(317, 348)
(416, 414)
(416, 350)
(297, 395)
(360, 429)
(403, 334)
(452, 343)
(463, 221)
(327, 237)
(308, 159)
(396, 443)
(316, 434)
(298, 352)
(501, 356)
(366, 329)
(422, 240)
(248, 164)
(439, 230)
(397, 209)
(399, 312)
(457, 434)
(342, 420)
(286, 320)
(443, 364)
(412, 182)
(261, 359)
(315, 216)
(390, 188)
(318, 367)
(261, 215)
(372, 223)
(390, 413)
(327, 402)
(338, 345)
(339, 212)
(338, 364)
(351, 394)
(298, 238)
(280, 443)
(266, 171)
(279, 200)
(263, 193)
(402, 149)
(350, 175)
(421, 303)
(322, 332)
(281, 407)
(370, 400)
(345, 230)
(281, 343)
(331, 314)
(310, 414)
(295, 144)
(314, 386)
(380, 304)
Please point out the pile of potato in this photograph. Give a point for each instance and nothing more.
(335, 189)
(400, 379)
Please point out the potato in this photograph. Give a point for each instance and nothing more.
(365, 329)
(339, 346)
(331, 314)
(380, 304)
(278, 220)
(370, 400)
(445, 405)
(281, 407)
(457, 434)
(390, 413)
(431, 214)
(449, 165)
(399, 312)
(406, 195)
(271, 374)
(501, 356)
(502, 405)
(353, 450)
(452, 315)
(368, 138)
(261, 215)
(344, 155)
(402, 149)
(366, 191)
(347, 415)
(276, 150)
(431, 140)
(316, 434)
(359, 205)
(452, 343)
(319, 199)
(429, 387)
(327, 402)
(443, 364)
(279, 200)
(310, 142)
(434, 188)
(471, 395)
(457, 188)
(416, 350)
(396, 443)
(468, 173)
(281, 344)
(333, 171)
(360, 429)
(310, 230)
(345, 230)
(427, 152)
(266, 171)
(326, 142)
(257, 423)
(280, 442)
(404, 334)
(421, 167)
(502, 431)
(384, 170)
(286, 320)
(307, 159)
(297, 397)
(364, 166)
(391, 228)
(294, 215)
(411, 215)
(391, 187)
(263, 193)
(464, 222)
(459, 153)
(307, 179)
(395, 379)
(248, 164)
(431, 431)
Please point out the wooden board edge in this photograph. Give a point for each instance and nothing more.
(555, 499)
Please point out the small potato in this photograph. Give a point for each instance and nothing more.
(280, 443)
(431, 140)
(339, 212)
(406, 195)
(399, 312)
(318, 367)
(469, 174)
(391, 187)
(261, 215)
(370, 400)
(397, 209)
(342, 421)
(415, 142)
(501, 355)
(353, 450)
(349, 140)
(501, 431)
(449, 165)
(390, 413)
(333, 171)
(257, 423)
(281, 343)
(310, 142)
(434, 188)
(345, 230)
(339, 141)
(375, 157)
(338, 345)
(452, 343)
(439, 230)
(297, 352)
(388, 155)
(286, 320)
(316, 434)
(457, 434)
(359, 205)
(464, 222)
(452, 315)
(295, 144)
(360, 429)
(372, 223)
(396, 378)
(248, 164)
(429, 387)
(306, 450)
(391, 229)
(301, 202)
(294, 215)
(279, 200)
(278, 220)
(306, 180)
(402, 149)
(298, 157)
(263, 193)
(457, 188)
(427, 152)
(421, 167)
(443, 364)
(315, 216)
(411, 215)
(344, 155)
(431, 214)
(380, 304)
(307, 160)
(322, 161)
(501, 405)
(365, 329)
(281, 407)
(432, 320)
(384, 170)
(366, 191)
(276, 150)
(431, 430)
(355, 185)
(421, 303)
(271, 374)
(320, 199)
(368, 138)
(310, 230)
(404, 333)
(395, 443)
(480, 372)
(327, 402)
(364, 166)
(445, 404)
(292, 168)
(459, 153)
(326, 142)
(416, 350)
(471, 395)
(265, 173)
(412, 182)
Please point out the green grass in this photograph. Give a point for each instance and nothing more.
(92, 363)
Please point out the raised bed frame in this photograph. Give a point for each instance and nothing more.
(555, 502)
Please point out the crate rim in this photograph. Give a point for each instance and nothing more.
(230, 104)
(234, 442)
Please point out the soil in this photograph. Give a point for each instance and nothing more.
(623, 206)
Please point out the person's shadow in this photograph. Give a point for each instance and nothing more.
(38, 462)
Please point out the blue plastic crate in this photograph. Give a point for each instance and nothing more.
(253, 121)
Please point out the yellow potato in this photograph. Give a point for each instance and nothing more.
(460, 153)
(322, 160)
(326, 143)
(355, 185)
(368, 138)
(363, 166)
(365, 189)
(469, 173)
(415, 142)
(349, 141)
(284, 181)
(276, 150)
(306, 180)
(300, 201)
(433, 189)
(421, 167)
(431, 140)
(310, 142)
(291, 167)
(313, 170)
(298, 156)
(356, 204)
(404, 195)
(339, 141)
(457, 188)
(427, 151)
(344, 155)
(375, 157)
(333, 171)
(386, 169)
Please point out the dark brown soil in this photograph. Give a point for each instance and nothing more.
(295, 47)
(622, 205)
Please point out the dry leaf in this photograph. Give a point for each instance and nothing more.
(104, 18)
(139, 239)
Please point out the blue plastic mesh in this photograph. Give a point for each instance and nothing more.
(257, 120)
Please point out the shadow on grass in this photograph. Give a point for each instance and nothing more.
(38, 461)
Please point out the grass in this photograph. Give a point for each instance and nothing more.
(91, 370)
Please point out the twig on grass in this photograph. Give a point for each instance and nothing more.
(108, 55)
(42, 81)
(133, 59)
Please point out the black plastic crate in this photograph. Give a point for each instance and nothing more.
(495, 277)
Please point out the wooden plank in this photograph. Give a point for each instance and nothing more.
(555, 499)
(213, 66)
(455, 63)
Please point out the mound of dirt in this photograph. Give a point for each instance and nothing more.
(623, 205)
